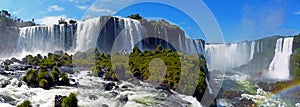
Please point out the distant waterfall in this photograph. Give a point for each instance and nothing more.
(252, 50)
(279, 67)
(221, 56)
(43, 39)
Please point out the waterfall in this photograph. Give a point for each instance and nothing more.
(44, 39)
(230, 56)
(279, 67)
(87, 34)
(252, 50)
(101, 32)
(179, 42)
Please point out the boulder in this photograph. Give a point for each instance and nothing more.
(58, 100)
(109, 86)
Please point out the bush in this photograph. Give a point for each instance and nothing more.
(70, 101)
(44, 84)
(31, 78)
(135, 16)
(64, 79)
(25, 103)
(55, 76)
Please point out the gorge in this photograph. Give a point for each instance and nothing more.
(263, 59)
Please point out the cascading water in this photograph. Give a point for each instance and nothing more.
(279, 67)
(87, 33)
(220, 56)
(252, 50)
(43, 39)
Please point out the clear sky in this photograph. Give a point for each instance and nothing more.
(239, 19)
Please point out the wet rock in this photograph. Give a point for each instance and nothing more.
(4, 83)
(127, 86)
(109, 86)
(7, 99)
(104, 105)
(245, 103)
(58, 100)
(93, 97)
(123, 99)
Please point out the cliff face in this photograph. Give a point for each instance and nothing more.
(101, 32)
(8, 37)
(146, 35)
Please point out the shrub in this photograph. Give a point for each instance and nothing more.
(55, 76)
(70, 101)
(64, 79)
(31, 78)
(25, 103)
(44, 84)
(135, 16)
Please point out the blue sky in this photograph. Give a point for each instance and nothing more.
(239, 19)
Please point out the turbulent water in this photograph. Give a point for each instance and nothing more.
(91, 93)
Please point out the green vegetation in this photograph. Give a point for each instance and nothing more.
(135, 16)
(166, 70)
(70, 101)
(169, 68)
(8, 20)
(48, 62)
(161, 66)
(25, 103)
(295, 58)
(44, 79)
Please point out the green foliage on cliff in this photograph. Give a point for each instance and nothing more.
(295, 58)
(135, 16)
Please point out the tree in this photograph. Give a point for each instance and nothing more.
(4, 12)
(62, 21)
(135, 16)
(136, 50)
(70, 101)
(25, 103)
(72, 21)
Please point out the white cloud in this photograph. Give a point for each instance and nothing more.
(81, 7)
(106, 7)
(101, 10)
(297, 13)
(55, 8)
(78, 1)
(261, 20)
(50, 20)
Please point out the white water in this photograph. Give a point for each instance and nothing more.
(87, 34)
(252, 50)
(227, 56)
(43, 39)
(91, 93)
(279, 67)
